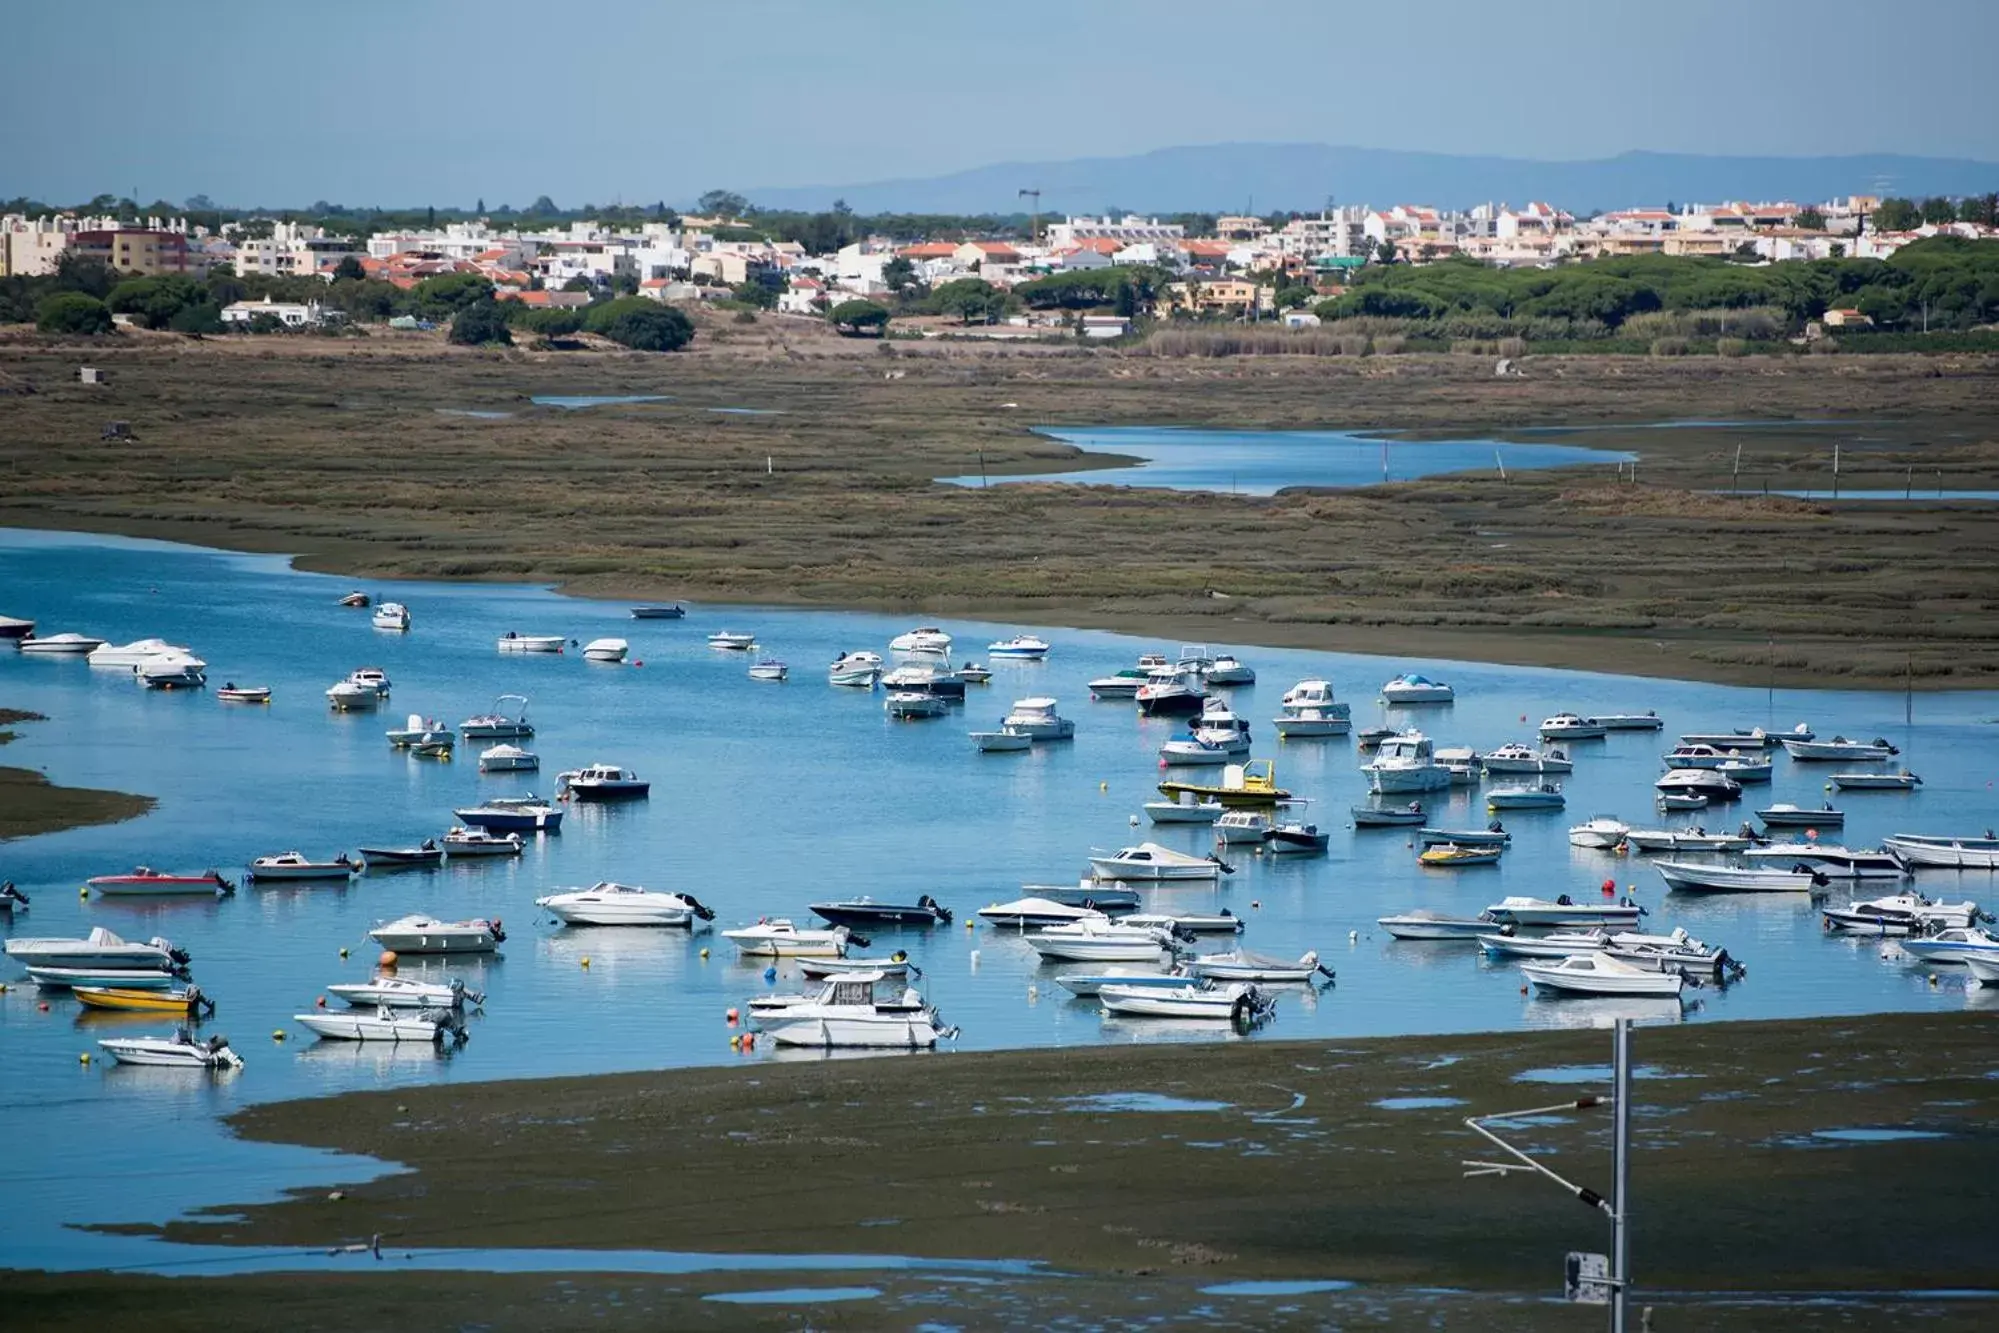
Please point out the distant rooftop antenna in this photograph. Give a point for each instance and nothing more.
(1034, 227)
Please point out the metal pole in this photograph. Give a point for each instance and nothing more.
(1620, 1218)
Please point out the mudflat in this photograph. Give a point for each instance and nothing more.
(401, 456)
(30, 803)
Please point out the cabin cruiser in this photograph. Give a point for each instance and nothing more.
(423, 1026)
(1839, 747)
(1925, 851)
(1426, 923)
(859, 670)
(419, 933)
(1523, 796)
(780, 938)
(459, 841)
(513, 641)
(295, 865)
(182, 1050)
(1703, 781)
(507, 722)
(134, 654)
(847, 1013)
(1170, 691)
(1514, 757)
(1021, 647)
(911, 704)
(1461, 762)
(1571, 727)
(922, 639)
(864, 911)
(1901, 914)
(1563, 911)
(404, 993)
(172, 672)
(1600, 974)
(100, 950)
(1601, 833)
(153, 883)
(1690, 877)
(1405, 762)
(601, 782)
(611, 904)
(1150, 860)
(419, 729)
(513, 814)
(606, 650)
(1226, 669)
(1038, 718)
(1415, 689)
(1101, 940)
(1309, 710)
(924, 678)
(1832, 860)
(508, 759)
(62, 645)
(1786, 815)
(392, 616)
(1124, 684)
(1241, 826)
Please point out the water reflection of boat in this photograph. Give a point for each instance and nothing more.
(1602, 1011)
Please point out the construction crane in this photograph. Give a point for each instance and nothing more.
(1034, 228)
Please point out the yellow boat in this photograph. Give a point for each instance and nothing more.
(190, 1001)
(1450, 854)
(1244, 786)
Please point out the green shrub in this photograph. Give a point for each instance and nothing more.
(73, 312)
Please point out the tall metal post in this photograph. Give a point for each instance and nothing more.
(1620, 1221)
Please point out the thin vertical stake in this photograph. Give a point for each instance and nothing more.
(1620, 1220)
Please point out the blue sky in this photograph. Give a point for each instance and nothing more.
(438, 101)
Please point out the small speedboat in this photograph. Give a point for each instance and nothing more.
(1007, 740)
(1223, 922)
(1682, 800)
(1243, 1005)
(925, 911)
(62, 645)
(1689, 877)
(611, 904)
(513, 814)
(1747, 738)
(296, 865)
(1902, 781)
(1038, 718)
(1416, 689)
(768, 668)
(971, 673)
(1225, 669)
(1035, 911)
(1954, 945)
(419, 729)
(515, 642)
(188, 1000)
(1839, 747)
(11, 899)
(1921, 851)
(1747, 769)
(418, 933)
(423, 1026)
(58, 977)
(1021, 647)
(148, 882)
(1451, 856)
(1184, 812)
(1243, 965)
(348, 697)
(1785, 815)
(674, 612)
(1833, 860)
(404, 993)
(135, 654)
(183, 1050)
(601, 782)
(1297, 839)
(391, 616)
(1150, 860)
(1563, 911)
(169, 672)
(1983, 970)
(1571, 727)
(1646, 721)
(922, 639)
(734, 641)
(463, 842)
(1696, 839)
(1090, 983)
(1600, 974)
(606, 650)
(1427, 924)
(101, 950)
(1242, 826)
(1714, 785)
(1900, 914)
(356, 600)
(896, 964)
(1492, 835)
(1124, 684)
(232, 693)
(1098, 939)
(859, 670)
(781, 938)
(426, 853)
(1514, 757)
(909, 705)
(1380, 816)
(1542, 796)
(932, 678)
(1601, 833)
(507, 722)
(508, 759)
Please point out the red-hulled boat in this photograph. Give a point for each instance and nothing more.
(147, 881)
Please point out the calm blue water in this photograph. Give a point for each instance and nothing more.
(766, 798)
(1263, 462)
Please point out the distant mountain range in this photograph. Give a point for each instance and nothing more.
(1227, 178)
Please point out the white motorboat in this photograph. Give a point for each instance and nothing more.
(1697, 754)
(1204, 749)
(1922, 851)
(1089, 983)
(856, 670)
(62, 645)
(1035, 911)
(1100, 940)
(1186, 810)
(1902, 781)
(1600, 974)
(296, 865)
(513, 641)
(606, 650)
(426, 855)
(1493, 834)
(1006, 740)
(1241, 1004)
(1516, 758)
(1646, 721)
(923, 639)
(54, 977)
(1309, 710)
(1839, 747)
(1038, 718)
(1226, 669)
(1785, 815)
(896, 965)
(1669, 801)
(1746, 738)
(1293, 838)
(1242, 826)
(420, 730)
(1379, 816)
(1689, 877)
(1125, 684)
(603, 782)
(1955, 945)
(768, 668)
(146, 882)
(232, 693)
(172, 672)
(1571, 727)
(348, 697)
(1223, 922)
(1170, 692)
(932, 678)
(403, 993)
(1405, 762)
(508, 759)
(1746, 770)
(1242, 965)
(391, 616)
(459, 841)
(607, 903)
(733, 641)
(1019, 648)
(101, 950)
(1559, 944)
(1676, 951)
(1415, 689)
(1694, 839)
(849, 1011)
(1540, 913)
(1150, 860)
(13, 627)
(1525, 796)
(1714, 785)
(183, 1050)
(971, 673)
(1984, 970)
(909, 705)
(1833, 860)
(780, 938)
(356, 600)
(1901, 914)
(422, 1026)
(419, 933)
(135, 654)
(1601, 833)
(507, 722)
(513, 814)
(1428, 924)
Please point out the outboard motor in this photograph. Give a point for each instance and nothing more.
(499, 933)
(12, 894)
(702, 911)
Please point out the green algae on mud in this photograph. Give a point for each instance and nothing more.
(31, 804)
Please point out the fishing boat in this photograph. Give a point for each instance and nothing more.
(1415, 689)
(404, 993)
(1125, 684)
(465, 842)
(1388, 816)
(674, 612)
(1242, 965)
(1451, 856)
(1308, 710)
(1038, 718)
(1517, 758)
(145, 881)
(182, 1050)
(1036, 911)
(296, 865)
(768, 668)
(1171, 692)
(864, 911)
(923, 639)
(606, 650)
(1571, 727)
(187, 1001)
(1249, 785)
(1098, 939)
(908, 705)
(1087, 984)
(1150, 860)
(1540, 913)
(420, 933)
(1689, 877)
(1492, 835)
(423, 855)
(232, 693)
(732, 641)
(1226, 669)
(135, 654)
(601, 782)
(1600, 974)
(1839, 747)
(1006, 740)
(1902, 781)
(1694, 839)
(1540, 796)
(101, 950)
(1019, 648)
(1184, 811)
(1833, 860)
(860, 1009)
(1645, 721)
(1900, 914)
(418, 728)
(859, 670)
(1706, 782)
(607, 903)
(1785, 815)
(1601, 833)
(1240, 1004)
(1428, 924)
(1241, 826)
(391, 616)
(1676, 951)
(423, 1026)
(1405, 762)
(780, 938)
(513, 641)
(1954, 945)
(61, 645)
(505, 758)
(513, 814)
(1296, 839)
(1922, 851)
(507, 722)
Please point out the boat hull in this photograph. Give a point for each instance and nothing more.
(1726, 879)
(348, 1027)
(131, 999)
(57, 977)
(1427, 928)
(881, 1031)
(1558, 982)
(439, 940)
(1942, 854)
